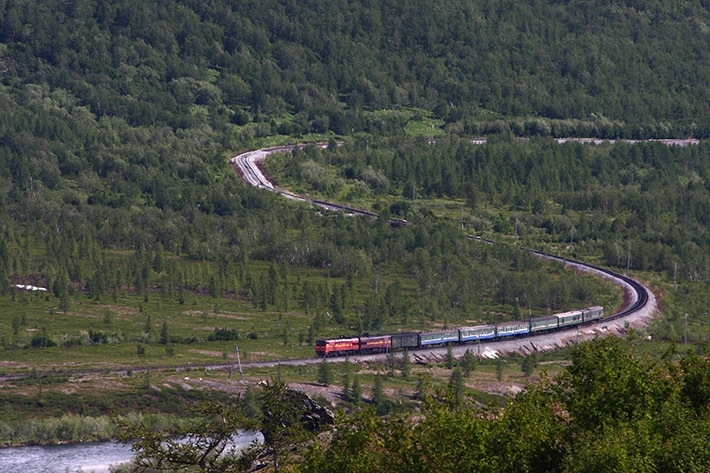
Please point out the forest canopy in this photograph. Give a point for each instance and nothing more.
(610, 69)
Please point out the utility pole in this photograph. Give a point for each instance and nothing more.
(239, 362)
(675, 273)
(685, 331)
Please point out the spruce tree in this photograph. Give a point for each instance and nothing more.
(356, 392)
(325, 373)
(406, 364)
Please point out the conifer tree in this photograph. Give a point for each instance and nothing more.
(325, 373)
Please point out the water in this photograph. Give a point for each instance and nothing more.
(86, 457)
(97, 457)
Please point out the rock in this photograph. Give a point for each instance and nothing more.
(314, 416)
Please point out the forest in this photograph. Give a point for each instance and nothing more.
(580, 68)
(601, 199)
(117, 121)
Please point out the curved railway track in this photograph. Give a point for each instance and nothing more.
(640, 296)
(247, 166)
(638, 308)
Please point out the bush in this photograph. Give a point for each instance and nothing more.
(223, 334)
(42, 340)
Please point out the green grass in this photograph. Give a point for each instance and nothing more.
(124, 323)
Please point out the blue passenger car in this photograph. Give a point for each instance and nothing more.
(479, 332)
(438, 337)
(508, 329)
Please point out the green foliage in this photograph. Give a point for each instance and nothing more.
(449, 357)
(242, 70)
(468, 362)
(356, 391)
(325, 373)
(42, 340)
(609, 411)
(250, 403)
(211, 434)
(282, 424)
(438, 441)
(147, 384)
(223, 334)
(528, 364)
(696, 382)
(405, 364)
(607, 386)
(455, 389)
(115, 122)
(164, 334)
(170, 350)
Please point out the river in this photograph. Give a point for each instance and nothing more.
(96, 457)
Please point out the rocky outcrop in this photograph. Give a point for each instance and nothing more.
(314, 415)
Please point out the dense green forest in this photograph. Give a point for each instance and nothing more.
(117, 119)
(625, 69)
(644, 205)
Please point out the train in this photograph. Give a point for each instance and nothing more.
(366, 345)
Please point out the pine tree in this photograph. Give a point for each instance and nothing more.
(346, 386)
(456, 388)
(421, 392)
(164, 336)
(449, 357)
(406, 364)
(325, 373)
(148, 326)
(377, 396)
(65, 301)
(468, 363)
(528, 364)
(356, 392)
(146, 380)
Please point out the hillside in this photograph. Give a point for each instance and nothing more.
(614, 68)
(117, 120)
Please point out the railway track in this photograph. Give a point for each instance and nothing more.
(639, 309)
(247, 166)
(640, 296)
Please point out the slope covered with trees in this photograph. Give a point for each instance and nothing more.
(641, 205)
(117, 119)
(625, 68)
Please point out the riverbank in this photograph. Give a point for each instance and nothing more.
(74, 412)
